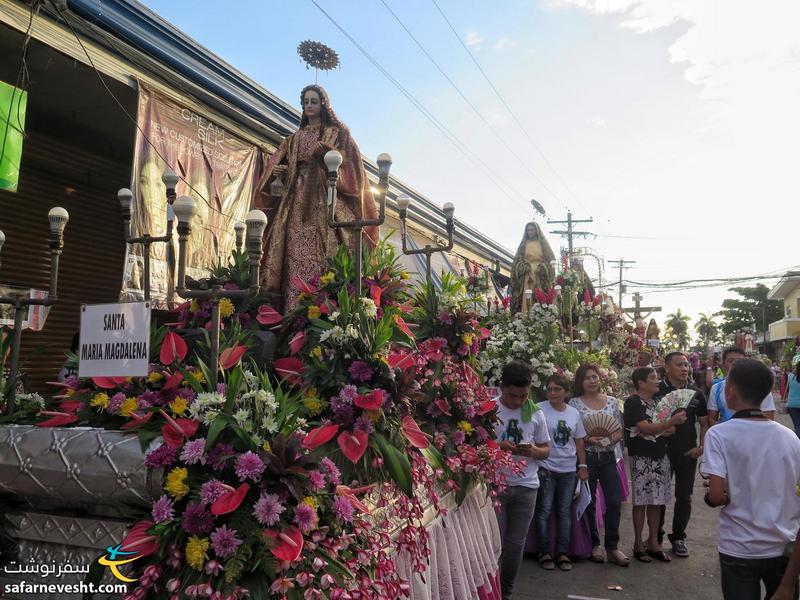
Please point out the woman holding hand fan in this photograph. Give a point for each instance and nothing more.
(602, 421)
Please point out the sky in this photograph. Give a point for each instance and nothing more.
(673, 124)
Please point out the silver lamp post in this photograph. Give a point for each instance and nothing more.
(125, 197)
(185, 208)
(333, 160)
(403, 203)
(58, 218)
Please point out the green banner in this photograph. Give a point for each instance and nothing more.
(13, 103)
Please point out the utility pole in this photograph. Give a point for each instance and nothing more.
(621, 264)
(570, 233)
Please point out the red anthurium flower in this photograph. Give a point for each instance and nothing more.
(318, 436)
(297, 341)
(138, 540)
(230, 500)
(173, 381)
(486, 407)
(443, 406)
(403, 326)
(375, 292)
(353, 444)
(137, 420)
(289, 369)
(176, 430)
(268, 315)
(288, 543)
(105, 383)
(173, 348)
(57, 418)
(301, 285)
(415, 436)
(371, 401)
(230, 357)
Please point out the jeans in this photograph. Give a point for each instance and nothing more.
(683, 469)
(517, 504)
(603, 468)
(742, 577)
(555, 489)
(794, 413)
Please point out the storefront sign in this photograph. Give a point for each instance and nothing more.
(115, 340)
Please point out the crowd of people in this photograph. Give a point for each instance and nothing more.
(576, 438)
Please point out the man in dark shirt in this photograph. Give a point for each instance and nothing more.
(683, 449)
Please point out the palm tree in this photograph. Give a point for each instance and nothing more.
(677, 325)
(707, 329)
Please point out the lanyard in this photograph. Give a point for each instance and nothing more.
(750, 413)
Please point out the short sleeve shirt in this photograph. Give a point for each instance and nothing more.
(611, 407)
(564, 426)
(685, 436)
(637, 410)
(511, 427)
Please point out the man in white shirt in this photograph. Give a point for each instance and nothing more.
(756, 488)
(527, 438)
(718, 410)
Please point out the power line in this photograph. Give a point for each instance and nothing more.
(451, 137)
(506, 105)
(471, 105)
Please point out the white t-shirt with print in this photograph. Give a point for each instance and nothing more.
(716, 401)
(511, 427)
(564, 428)
(760, 460)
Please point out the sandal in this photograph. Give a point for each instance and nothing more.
(564, 563)
(642, 555)
(598, 555)
(546, 562)
(618, 558)
(659, 555)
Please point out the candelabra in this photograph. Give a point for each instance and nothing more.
(333, 160)
(58, 218)
(185, 208)
(403, 202)
(125, 197)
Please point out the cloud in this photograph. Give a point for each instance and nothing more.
(473, 39)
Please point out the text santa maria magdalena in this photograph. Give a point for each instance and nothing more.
(114, 351)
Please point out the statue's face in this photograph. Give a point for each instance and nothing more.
(312, 104)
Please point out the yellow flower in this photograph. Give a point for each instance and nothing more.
(128, 406)
(179, 405)
(404, 275)
(468, 338)
(194, 306)
(176, 482)
(226, 308)
(327, 278)
(314, 312)
(317, 352)
(100, 401)
(197, 552)
(466, 427)
(154, 377)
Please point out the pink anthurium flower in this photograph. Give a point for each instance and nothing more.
(353, 445)
(415, 436)
(173, 348)
(230, 500)
(268, 315)
(230, 357)
(371, 401)
(288, 543)
(318, 436)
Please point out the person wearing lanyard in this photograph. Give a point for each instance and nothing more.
(760, 512)
(683, 449)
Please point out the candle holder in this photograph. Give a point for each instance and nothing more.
(58, 218)
(185, 208)
(333, 160)
(403, 202)
(125, 197)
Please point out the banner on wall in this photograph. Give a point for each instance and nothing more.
(216, 168)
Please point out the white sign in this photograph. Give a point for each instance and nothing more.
(115, 340)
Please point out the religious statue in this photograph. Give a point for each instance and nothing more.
(531, 268)
(298, 239)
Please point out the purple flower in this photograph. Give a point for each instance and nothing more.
(224, 541)
(211, 491)
(115, 403)
(196, 519)
(360, 371)
(305, 517)
(267, 509)
(163, 456)
(162, 509)
(219, 455)
(348, 393)
(249, 466)
(457, 437)
(343, 508)
(194, 452)
(332, 471)
(362, 423)
(316, 480)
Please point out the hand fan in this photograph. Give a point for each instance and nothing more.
(671, 403)
(600, 424)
